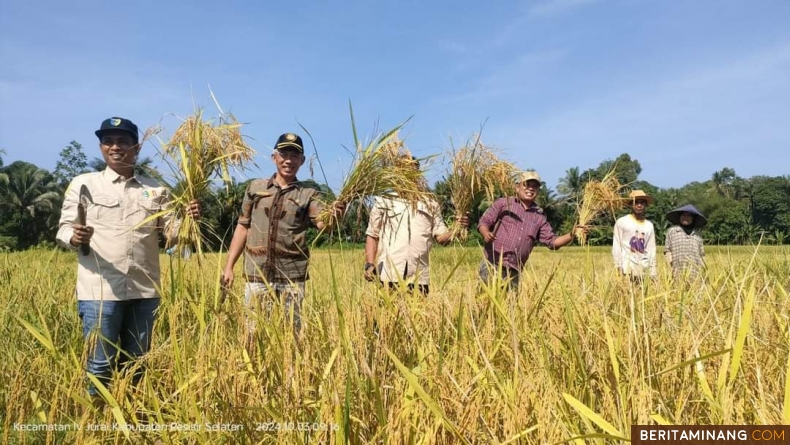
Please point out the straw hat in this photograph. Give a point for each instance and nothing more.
(639, 194)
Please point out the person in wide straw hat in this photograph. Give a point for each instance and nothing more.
(684, 248)
(634, 245)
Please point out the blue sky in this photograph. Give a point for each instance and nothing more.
(684, 87)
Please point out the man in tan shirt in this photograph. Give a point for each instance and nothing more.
(399, 240)
(118, 264)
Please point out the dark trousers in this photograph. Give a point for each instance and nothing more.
(422, 288)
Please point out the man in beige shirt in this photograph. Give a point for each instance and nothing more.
(399, 240)
(118, 263)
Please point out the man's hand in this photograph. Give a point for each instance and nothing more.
(579, 229)
(82, 235)
(370, 272)
(340, 210)
(226, 280)
(489, 237)
(463, 220)
(194, 209)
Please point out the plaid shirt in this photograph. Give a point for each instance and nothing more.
(517, 231)
(685, 249)
(277, 220)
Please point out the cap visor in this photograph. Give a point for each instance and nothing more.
(99, 133)
(284, 145)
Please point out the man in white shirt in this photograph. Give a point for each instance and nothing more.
(634, 246)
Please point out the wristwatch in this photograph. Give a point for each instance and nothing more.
(370, 265)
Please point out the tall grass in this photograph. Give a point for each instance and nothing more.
(577, 356)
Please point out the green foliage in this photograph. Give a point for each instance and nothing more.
(739, 210)
(72, 162)
(221, 212)
(627, 170)
(770, 206)
(30, 204)
(571, 186)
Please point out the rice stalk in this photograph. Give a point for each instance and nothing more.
(476, 172)
(591, 415)
(599, 198)
(384, 167)
(199, 151)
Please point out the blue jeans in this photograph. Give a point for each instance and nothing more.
(108, 325)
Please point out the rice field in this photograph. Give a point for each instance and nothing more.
(577, 356)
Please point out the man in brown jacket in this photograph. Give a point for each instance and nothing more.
(272, 232)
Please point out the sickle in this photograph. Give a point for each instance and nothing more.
(84, 199)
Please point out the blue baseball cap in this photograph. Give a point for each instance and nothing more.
(118, 124)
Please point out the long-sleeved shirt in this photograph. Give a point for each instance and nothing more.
(519, 229)
(685, 251)
(277, 220)
(405, 238)
(123, 263)
(634, 246)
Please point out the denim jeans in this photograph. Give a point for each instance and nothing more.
(108, 325)
(259, 296)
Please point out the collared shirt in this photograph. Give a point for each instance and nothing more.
(517, 229)
(685, 250)
(634, 246)
(123, 263)
(277, 220)
(405, 237)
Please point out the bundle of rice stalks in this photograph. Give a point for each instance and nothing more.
(599, 198)
(199, 152)
(382, 168)
(476, 173)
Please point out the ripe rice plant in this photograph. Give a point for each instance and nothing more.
(578, 355)
(198, 153)
(599, 198)
(382, 167)
(476, 172)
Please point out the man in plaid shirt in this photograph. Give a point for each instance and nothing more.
(511, 228)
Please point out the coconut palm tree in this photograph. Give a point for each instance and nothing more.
(723, 182)
(572, 185)
(31, 195)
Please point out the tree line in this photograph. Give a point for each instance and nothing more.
(739, 210)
